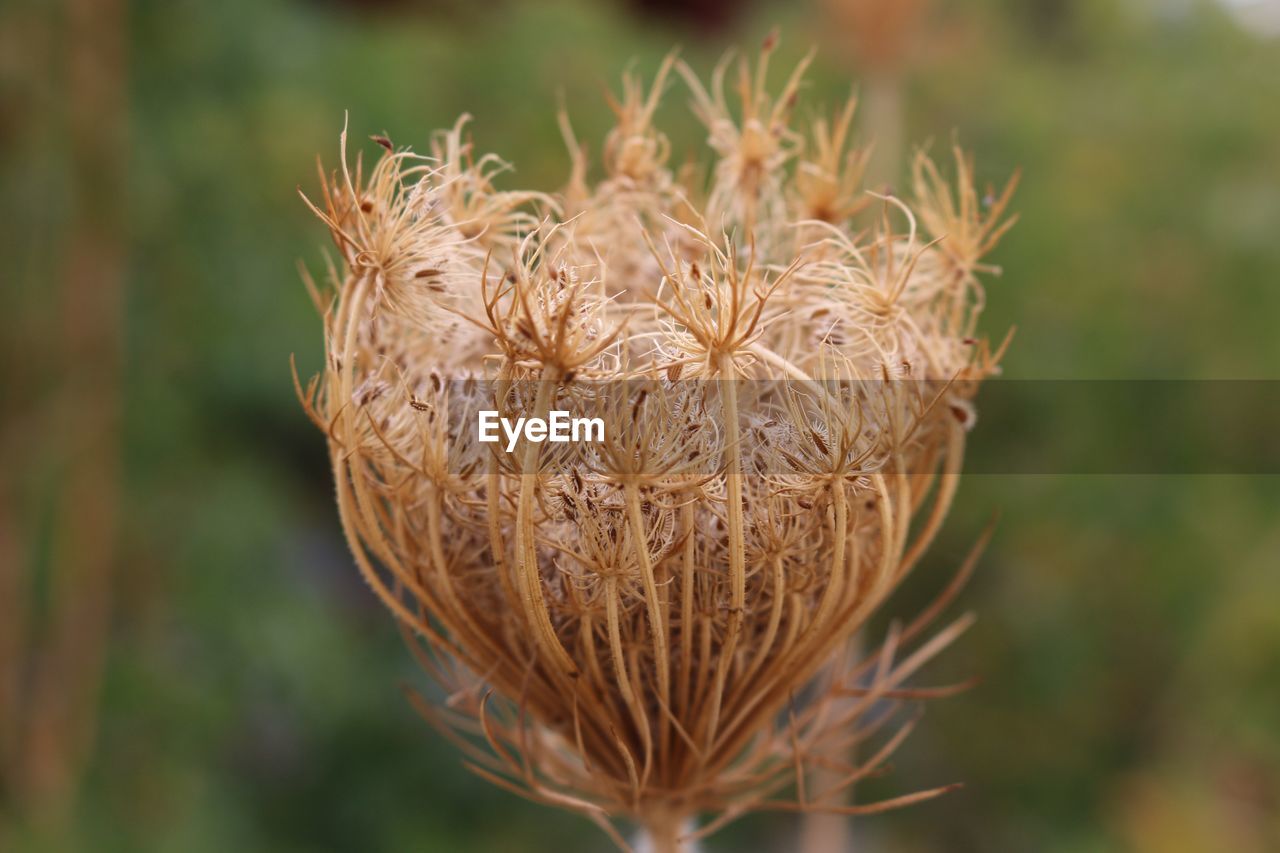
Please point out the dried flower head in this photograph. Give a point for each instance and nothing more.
(631, 628)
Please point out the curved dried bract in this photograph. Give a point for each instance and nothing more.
(784, 365)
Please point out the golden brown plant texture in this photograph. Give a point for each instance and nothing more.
(784, 363)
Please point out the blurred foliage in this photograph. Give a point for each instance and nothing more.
(1129, 636)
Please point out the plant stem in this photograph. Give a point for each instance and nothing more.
(737, 546)
(657, 619)
(663, 833)
(527, 576)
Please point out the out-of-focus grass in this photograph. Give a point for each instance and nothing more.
(1127, 624)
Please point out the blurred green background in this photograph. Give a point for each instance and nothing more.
(157, 463)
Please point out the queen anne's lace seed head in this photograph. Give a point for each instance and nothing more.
(785, 366)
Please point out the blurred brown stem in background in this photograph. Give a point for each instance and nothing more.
(53, 633)
(877, 38)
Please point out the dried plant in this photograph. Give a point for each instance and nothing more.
(632, 629)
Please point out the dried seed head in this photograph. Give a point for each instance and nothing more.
(783, 387)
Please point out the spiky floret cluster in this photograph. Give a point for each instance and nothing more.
(634, 631)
